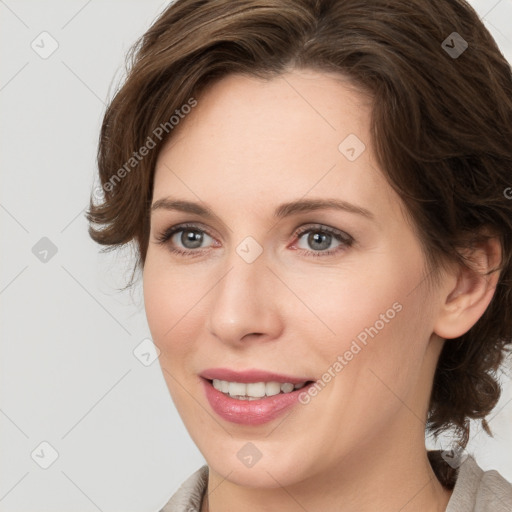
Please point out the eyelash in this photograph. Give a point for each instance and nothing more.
(345, 239)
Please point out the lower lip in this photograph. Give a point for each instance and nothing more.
(250, 412)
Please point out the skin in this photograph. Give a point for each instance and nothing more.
(249, 146)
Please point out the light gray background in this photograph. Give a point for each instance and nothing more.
(68, 373)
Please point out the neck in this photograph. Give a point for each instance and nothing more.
(376, 479)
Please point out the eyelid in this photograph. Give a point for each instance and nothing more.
(326, 229)
(167, 233)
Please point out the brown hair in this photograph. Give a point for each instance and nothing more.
(442, 130)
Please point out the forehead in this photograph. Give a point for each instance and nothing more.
(274, 140)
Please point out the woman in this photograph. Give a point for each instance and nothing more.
(319, 195)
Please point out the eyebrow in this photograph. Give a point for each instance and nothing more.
(283, 210)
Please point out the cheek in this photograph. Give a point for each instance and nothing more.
(354, 300)
(382, 348)
(167, 297)
(157, 302)
(167, 300)
(374, 318)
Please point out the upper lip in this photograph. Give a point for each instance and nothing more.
(253, 375)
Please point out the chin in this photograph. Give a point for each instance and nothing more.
(254, 464)
(270, 474)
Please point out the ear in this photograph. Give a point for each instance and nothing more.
(468, 293)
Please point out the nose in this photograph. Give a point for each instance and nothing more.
(244, 304)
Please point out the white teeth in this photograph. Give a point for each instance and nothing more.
(287, 387)
(273, 388)
(237, 389)
(254, 390)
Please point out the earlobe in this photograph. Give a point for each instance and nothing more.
(466, 301)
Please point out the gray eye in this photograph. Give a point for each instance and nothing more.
(317, 240)
(191, 238)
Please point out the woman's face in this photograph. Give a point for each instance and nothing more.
(271, 285)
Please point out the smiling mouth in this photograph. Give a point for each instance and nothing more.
(255, 390)
(262, 398)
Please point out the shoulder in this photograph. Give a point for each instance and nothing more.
(477, 490)
(189, 496)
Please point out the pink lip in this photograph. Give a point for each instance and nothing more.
(250, 412)
(250, 376)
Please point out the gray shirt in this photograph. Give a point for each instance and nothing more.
(475, 491)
